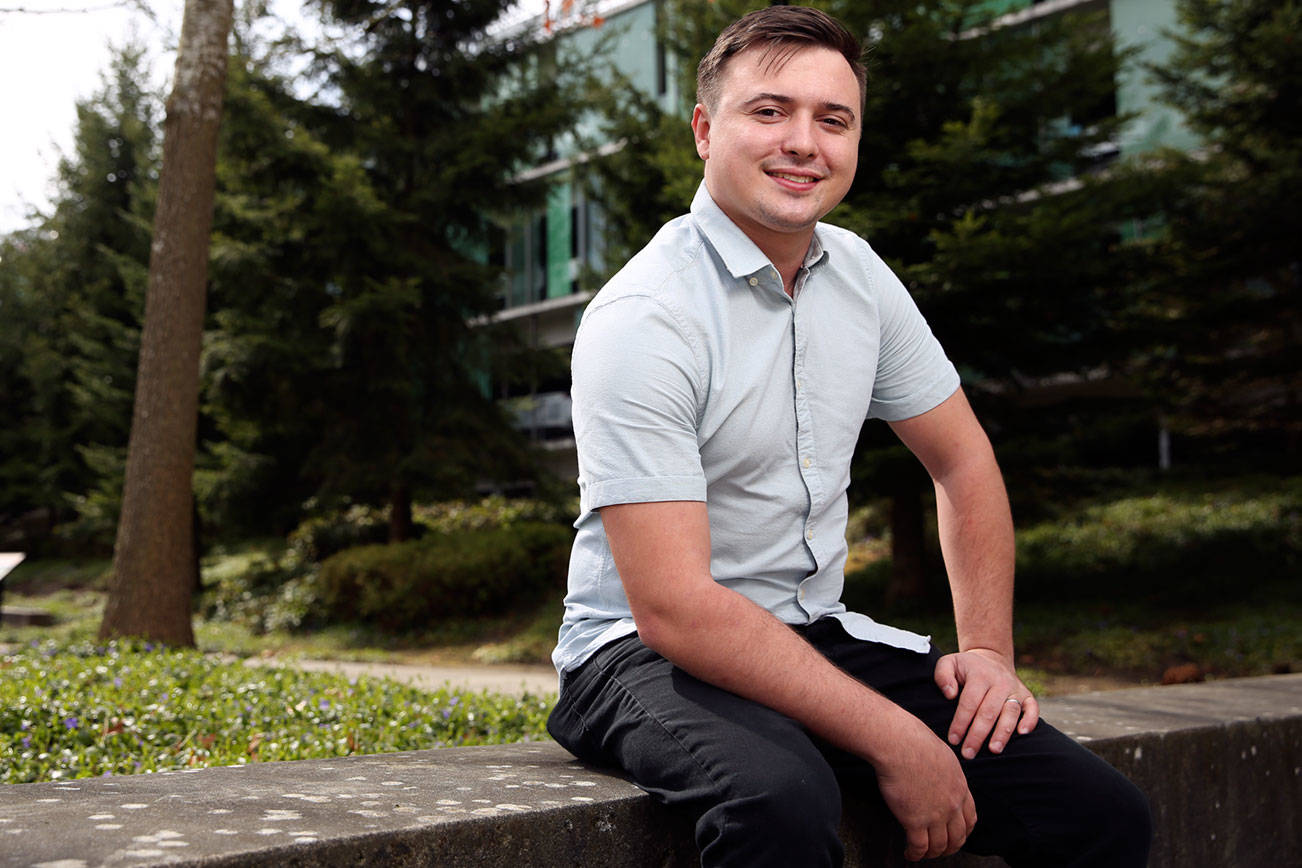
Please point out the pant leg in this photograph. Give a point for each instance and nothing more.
(761, 792)
(1044, 801)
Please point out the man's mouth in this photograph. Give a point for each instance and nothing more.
(793, 177)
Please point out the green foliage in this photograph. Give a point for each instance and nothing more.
(81, 710)
(1227, 318)
(408, 585)
(1190, 550)
(319, 537)
(494, 511)
(71, 292)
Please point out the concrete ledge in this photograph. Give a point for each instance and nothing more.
(1221, 762)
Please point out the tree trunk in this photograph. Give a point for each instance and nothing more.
(399, 512)
(153, 561)
(908, 546)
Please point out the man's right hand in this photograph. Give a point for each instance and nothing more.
(925, 789)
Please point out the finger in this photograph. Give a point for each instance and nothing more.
(1030, 715)
(969, 702)
(915, 844)
(992, 705)
(947, 676)
(956, 834)
(969, 814)
(1003, 729)
(937, 840)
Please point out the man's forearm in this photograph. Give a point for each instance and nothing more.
(723, 638)
(976, 538)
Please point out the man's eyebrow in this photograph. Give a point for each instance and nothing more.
(783, 99)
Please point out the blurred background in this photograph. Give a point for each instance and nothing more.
(1092, 201)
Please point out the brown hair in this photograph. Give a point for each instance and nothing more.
(782, 30)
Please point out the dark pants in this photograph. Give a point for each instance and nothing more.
(765, 792)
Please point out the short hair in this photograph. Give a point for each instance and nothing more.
(783, 30)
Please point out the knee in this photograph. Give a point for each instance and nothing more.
(1116, 822)
(1130, 823)
(780, 814)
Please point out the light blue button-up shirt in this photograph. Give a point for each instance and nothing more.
(696, 377)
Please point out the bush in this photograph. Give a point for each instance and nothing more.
(1199, 548)
(76, 711)
(406, 585)
(321, 536)
(492, 512)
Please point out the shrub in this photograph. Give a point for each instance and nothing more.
(407, 585)
(321, 536)
(76, 711)
(491, 512)
(1187, 549)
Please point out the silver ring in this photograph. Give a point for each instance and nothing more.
(1013, 699)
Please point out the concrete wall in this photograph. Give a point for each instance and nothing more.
(1221, 763)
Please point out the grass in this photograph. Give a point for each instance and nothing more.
(1086, 609)
(80, 710)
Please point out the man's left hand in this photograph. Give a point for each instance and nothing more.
(992, 700)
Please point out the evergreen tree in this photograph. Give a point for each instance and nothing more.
(978, 183)
(71, 289)
(442, 114)
(1230, 323)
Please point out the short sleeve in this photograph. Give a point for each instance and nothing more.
(636, 388)
(913, 373)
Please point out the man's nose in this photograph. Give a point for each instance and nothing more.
(800, 139)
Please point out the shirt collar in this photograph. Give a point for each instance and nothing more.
(739, 254)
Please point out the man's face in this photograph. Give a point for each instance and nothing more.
(782, 143)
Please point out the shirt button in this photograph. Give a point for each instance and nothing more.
(754, 281)
(799, 384)
(808, 462)
(809, 534)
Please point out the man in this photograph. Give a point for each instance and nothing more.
(720, 381)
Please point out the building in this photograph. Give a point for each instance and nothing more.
(555, 257)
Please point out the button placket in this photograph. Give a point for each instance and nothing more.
(804, 429)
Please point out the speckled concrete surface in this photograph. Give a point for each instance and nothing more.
(1222, 763)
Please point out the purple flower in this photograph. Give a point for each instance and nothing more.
(27, 741)
(149, 646)
(323, 704)
(117, 682)
(71, 722)
(25, 725)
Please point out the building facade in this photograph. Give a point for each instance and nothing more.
(555, 256)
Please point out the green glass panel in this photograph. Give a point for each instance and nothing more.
(558, 241)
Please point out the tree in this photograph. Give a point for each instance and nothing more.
(72, 289)
(155, 566)
(1229, 324)
(978, 183)
(442, 115)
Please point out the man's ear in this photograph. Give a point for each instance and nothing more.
(701, 130)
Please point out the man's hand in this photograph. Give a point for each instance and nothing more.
(991, 701)
(925, 789)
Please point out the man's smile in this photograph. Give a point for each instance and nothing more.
(801, 178)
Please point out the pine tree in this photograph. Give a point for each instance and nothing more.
(72, 288)
(442, 114)
(977, 182)
(1229, 319)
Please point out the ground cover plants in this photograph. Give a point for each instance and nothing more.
(1123, 585)
(80, 710)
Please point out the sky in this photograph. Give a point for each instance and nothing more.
(52, 53)
(48, 61)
